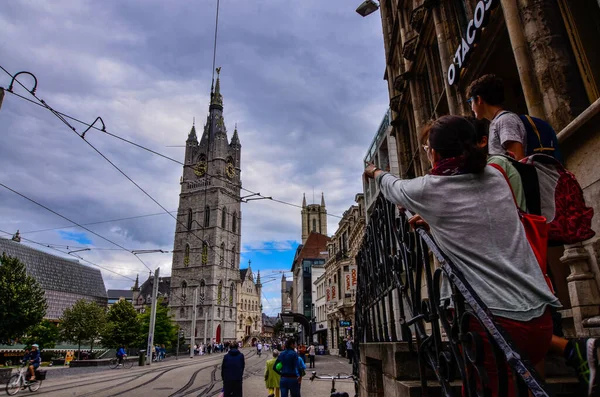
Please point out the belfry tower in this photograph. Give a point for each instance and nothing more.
(314, 218)
(206, 252)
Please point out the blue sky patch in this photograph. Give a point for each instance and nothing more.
(78, 237)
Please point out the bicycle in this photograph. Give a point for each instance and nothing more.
(114, 363)
(19, 381)
(333, 378)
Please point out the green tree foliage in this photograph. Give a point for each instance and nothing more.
(84, 321)
(165, 332)
(122, 327)
(45, 334)
(22, 300)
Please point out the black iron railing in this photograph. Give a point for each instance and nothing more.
(398, 299)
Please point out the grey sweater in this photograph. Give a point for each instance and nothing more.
(474, 220)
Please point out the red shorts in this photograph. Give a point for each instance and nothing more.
(531, 339)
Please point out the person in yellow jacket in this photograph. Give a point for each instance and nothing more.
(272, 379)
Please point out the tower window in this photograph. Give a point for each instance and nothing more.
(224, 218)
(314, 222)
(189, 219)
(186, 256)
(222, 257)
(219, 312)
(231, 287)
(206, 216)
(234, 223)
(204, 253)
(183, 289)
(219, 292)
(182, 313)
(202, 291)
(233, 254)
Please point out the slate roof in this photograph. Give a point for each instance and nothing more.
(119, 293)
(55, 273)
(243, 274)
(164, 286)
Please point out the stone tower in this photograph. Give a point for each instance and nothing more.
(206, 250)
(314, 218)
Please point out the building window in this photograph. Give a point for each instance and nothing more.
(182, 313)
(200, 312)
(231, 287)
(202, 291)
(233, 255)
(219, 312)
(234, 223)
(183, 290)
(314, 224)
(224, 218)
(219, 292)
(230, 313)
(186, 256)
(222, 257)
(189, 219)
(206, 216)
(204, 253)
(241, 326)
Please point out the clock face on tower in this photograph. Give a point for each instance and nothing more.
(230, 170)
(200, 168)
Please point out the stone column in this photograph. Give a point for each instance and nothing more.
(583, 290)
(516, 33)
(445, 57)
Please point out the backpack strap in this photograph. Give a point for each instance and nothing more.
(496, 166)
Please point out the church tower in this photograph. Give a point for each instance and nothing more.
(206, 252)
(314, 218)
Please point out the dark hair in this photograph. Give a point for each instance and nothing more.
(289, 343)
(482, 127)
(489, 87)
(455, 136)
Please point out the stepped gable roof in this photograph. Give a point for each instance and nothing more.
(55, 273)
(119, 293)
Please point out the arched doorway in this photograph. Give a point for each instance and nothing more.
(218, 338)
(248, 326)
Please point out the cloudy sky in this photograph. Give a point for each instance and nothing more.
(302, 80)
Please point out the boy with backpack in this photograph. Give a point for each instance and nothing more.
(521, 135)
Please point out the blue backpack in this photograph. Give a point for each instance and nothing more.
(541, 138)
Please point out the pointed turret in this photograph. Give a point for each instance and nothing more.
(136, 286)
(235, 139)
(192, 135)
(258, 284)
(322, 200)
(304, 200)
(216, 97)
(17, 237)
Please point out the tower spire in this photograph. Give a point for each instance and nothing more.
(258, 284)
(216, 97)
(322, 199)
(303, 200)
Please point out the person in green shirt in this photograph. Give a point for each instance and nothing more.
(272, 378)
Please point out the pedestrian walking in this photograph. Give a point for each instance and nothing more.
(272, 378)
(287, 365)
(232, 372)
(350, 349)
(311, 355)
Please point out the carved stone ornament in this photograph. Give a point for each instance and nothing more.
(395, 103)
(417, 17)
(409, 49)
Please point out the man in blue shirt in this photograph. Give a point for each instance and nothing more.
(120, 354)
(288, 367)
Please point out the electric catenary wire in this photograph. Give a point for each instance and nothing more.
(75, 223)
(77, 256)
(63, 116)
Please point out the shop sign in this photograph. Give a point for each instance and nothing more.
(345, 323)
(350, 280)
(481, 16)
(328, 294)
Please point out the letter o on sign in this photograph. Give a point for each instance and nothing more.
(451, 74)
(479, 15)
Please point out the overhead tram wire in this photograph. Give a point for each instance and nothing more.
(69, 220)
(64, 116)
(112, 164)
(77, 256)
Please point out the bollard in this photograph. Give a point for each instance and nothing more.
(142, 358)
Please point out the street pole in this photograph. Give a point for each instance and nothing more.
(152, 318)
(205, 325)
(193, 328)
(178, 337)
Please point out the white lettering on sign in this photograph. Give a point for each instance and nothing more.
(481, 16)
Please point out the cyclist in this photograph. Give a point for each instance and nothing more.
(259, 347)
(120, 354)
(34, 361)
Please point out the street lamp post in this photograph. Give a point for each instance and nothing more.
(193, 327)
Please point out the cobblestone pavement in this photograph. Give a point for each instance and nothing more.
(199, 376)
